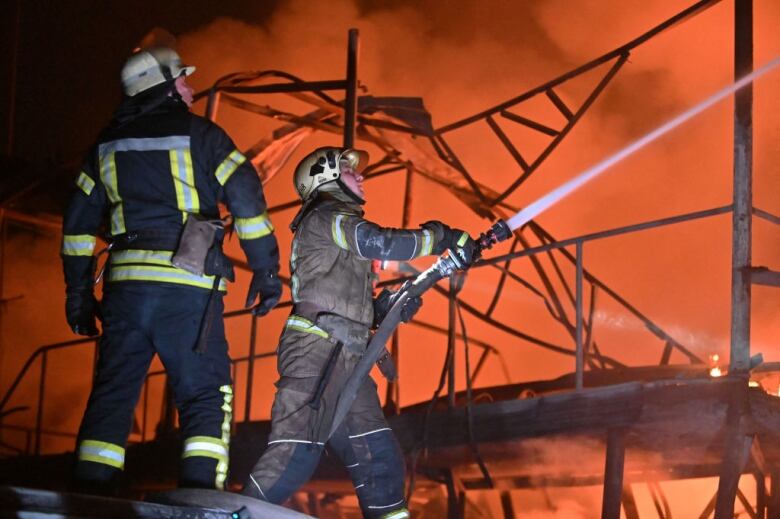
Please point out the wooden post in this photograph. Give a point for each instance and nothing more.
(739, 360)
(613, 474)
(736, 450)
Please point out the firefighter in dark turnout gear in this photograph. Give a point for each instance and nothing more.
(327, 332)
(155, 169)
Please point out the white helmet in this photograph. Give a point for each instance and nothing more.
(151, 67)
(321, 167)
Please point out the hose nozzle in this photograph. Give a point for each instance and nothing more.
(499, 231)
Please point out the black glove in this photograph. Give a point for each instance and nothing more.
(81, 310)
(266, 284)
(387, 298)
(465, 252)
(456, 240)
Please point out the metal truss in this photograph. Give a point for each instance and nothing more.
(390, 124)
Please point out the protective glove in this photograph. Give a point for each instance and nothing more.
(387, 298)
(266, 284)
(465, 252)
(458, 241)
(81, 310)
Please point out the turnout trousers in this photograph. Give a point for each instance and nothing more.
(139, 320)
(364, 442)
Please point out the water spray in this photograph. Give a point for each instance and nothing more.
(500, 231)
(553, 197)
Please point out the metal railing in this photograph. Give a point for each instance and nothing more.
(579, 351)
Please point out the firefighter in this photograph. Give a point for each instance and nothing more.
(155, 178)
(327, 332)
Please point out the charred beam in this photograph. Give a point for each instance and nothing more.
(277, 88)
(539, 127)
(737, 447)
(764, 276)
(613, 474)
(739, 360)
(559, 104)
(507, 143)
(769, 217)
(571, 122)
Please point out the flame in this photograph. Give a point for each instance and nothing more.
(715, 370)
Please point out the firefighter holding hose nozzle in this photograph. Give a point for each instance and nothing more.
(328, 331)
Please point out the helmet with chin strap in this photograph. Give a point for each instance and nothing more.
(322, 167)
(150, 67)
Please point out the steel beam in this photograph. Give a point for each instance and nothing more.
(350, 101)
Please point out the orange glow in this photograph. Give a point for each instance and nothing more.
(461, 62)
(714, 369)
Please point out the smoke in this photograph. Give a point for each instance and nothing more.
(462, 61)
(465, 59)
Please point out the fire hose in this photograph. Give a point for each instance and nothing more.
(444, 266)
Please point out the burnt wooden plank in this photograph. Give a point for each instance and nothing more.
(613, 406)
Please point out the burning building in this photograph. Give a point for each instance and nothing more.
(570, 368)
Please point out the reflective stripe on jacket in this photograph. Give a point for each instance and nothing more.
(153, 172)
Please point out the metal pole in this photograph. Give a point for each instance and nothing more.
(350, 101)
(739, 360)
(580, 362)
(451, 336)
(613, 474)
(39, 417)
(250, 369)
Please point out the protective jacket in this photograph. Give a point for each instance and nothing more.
(331, 258)
(146, 175)
(153, 168)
